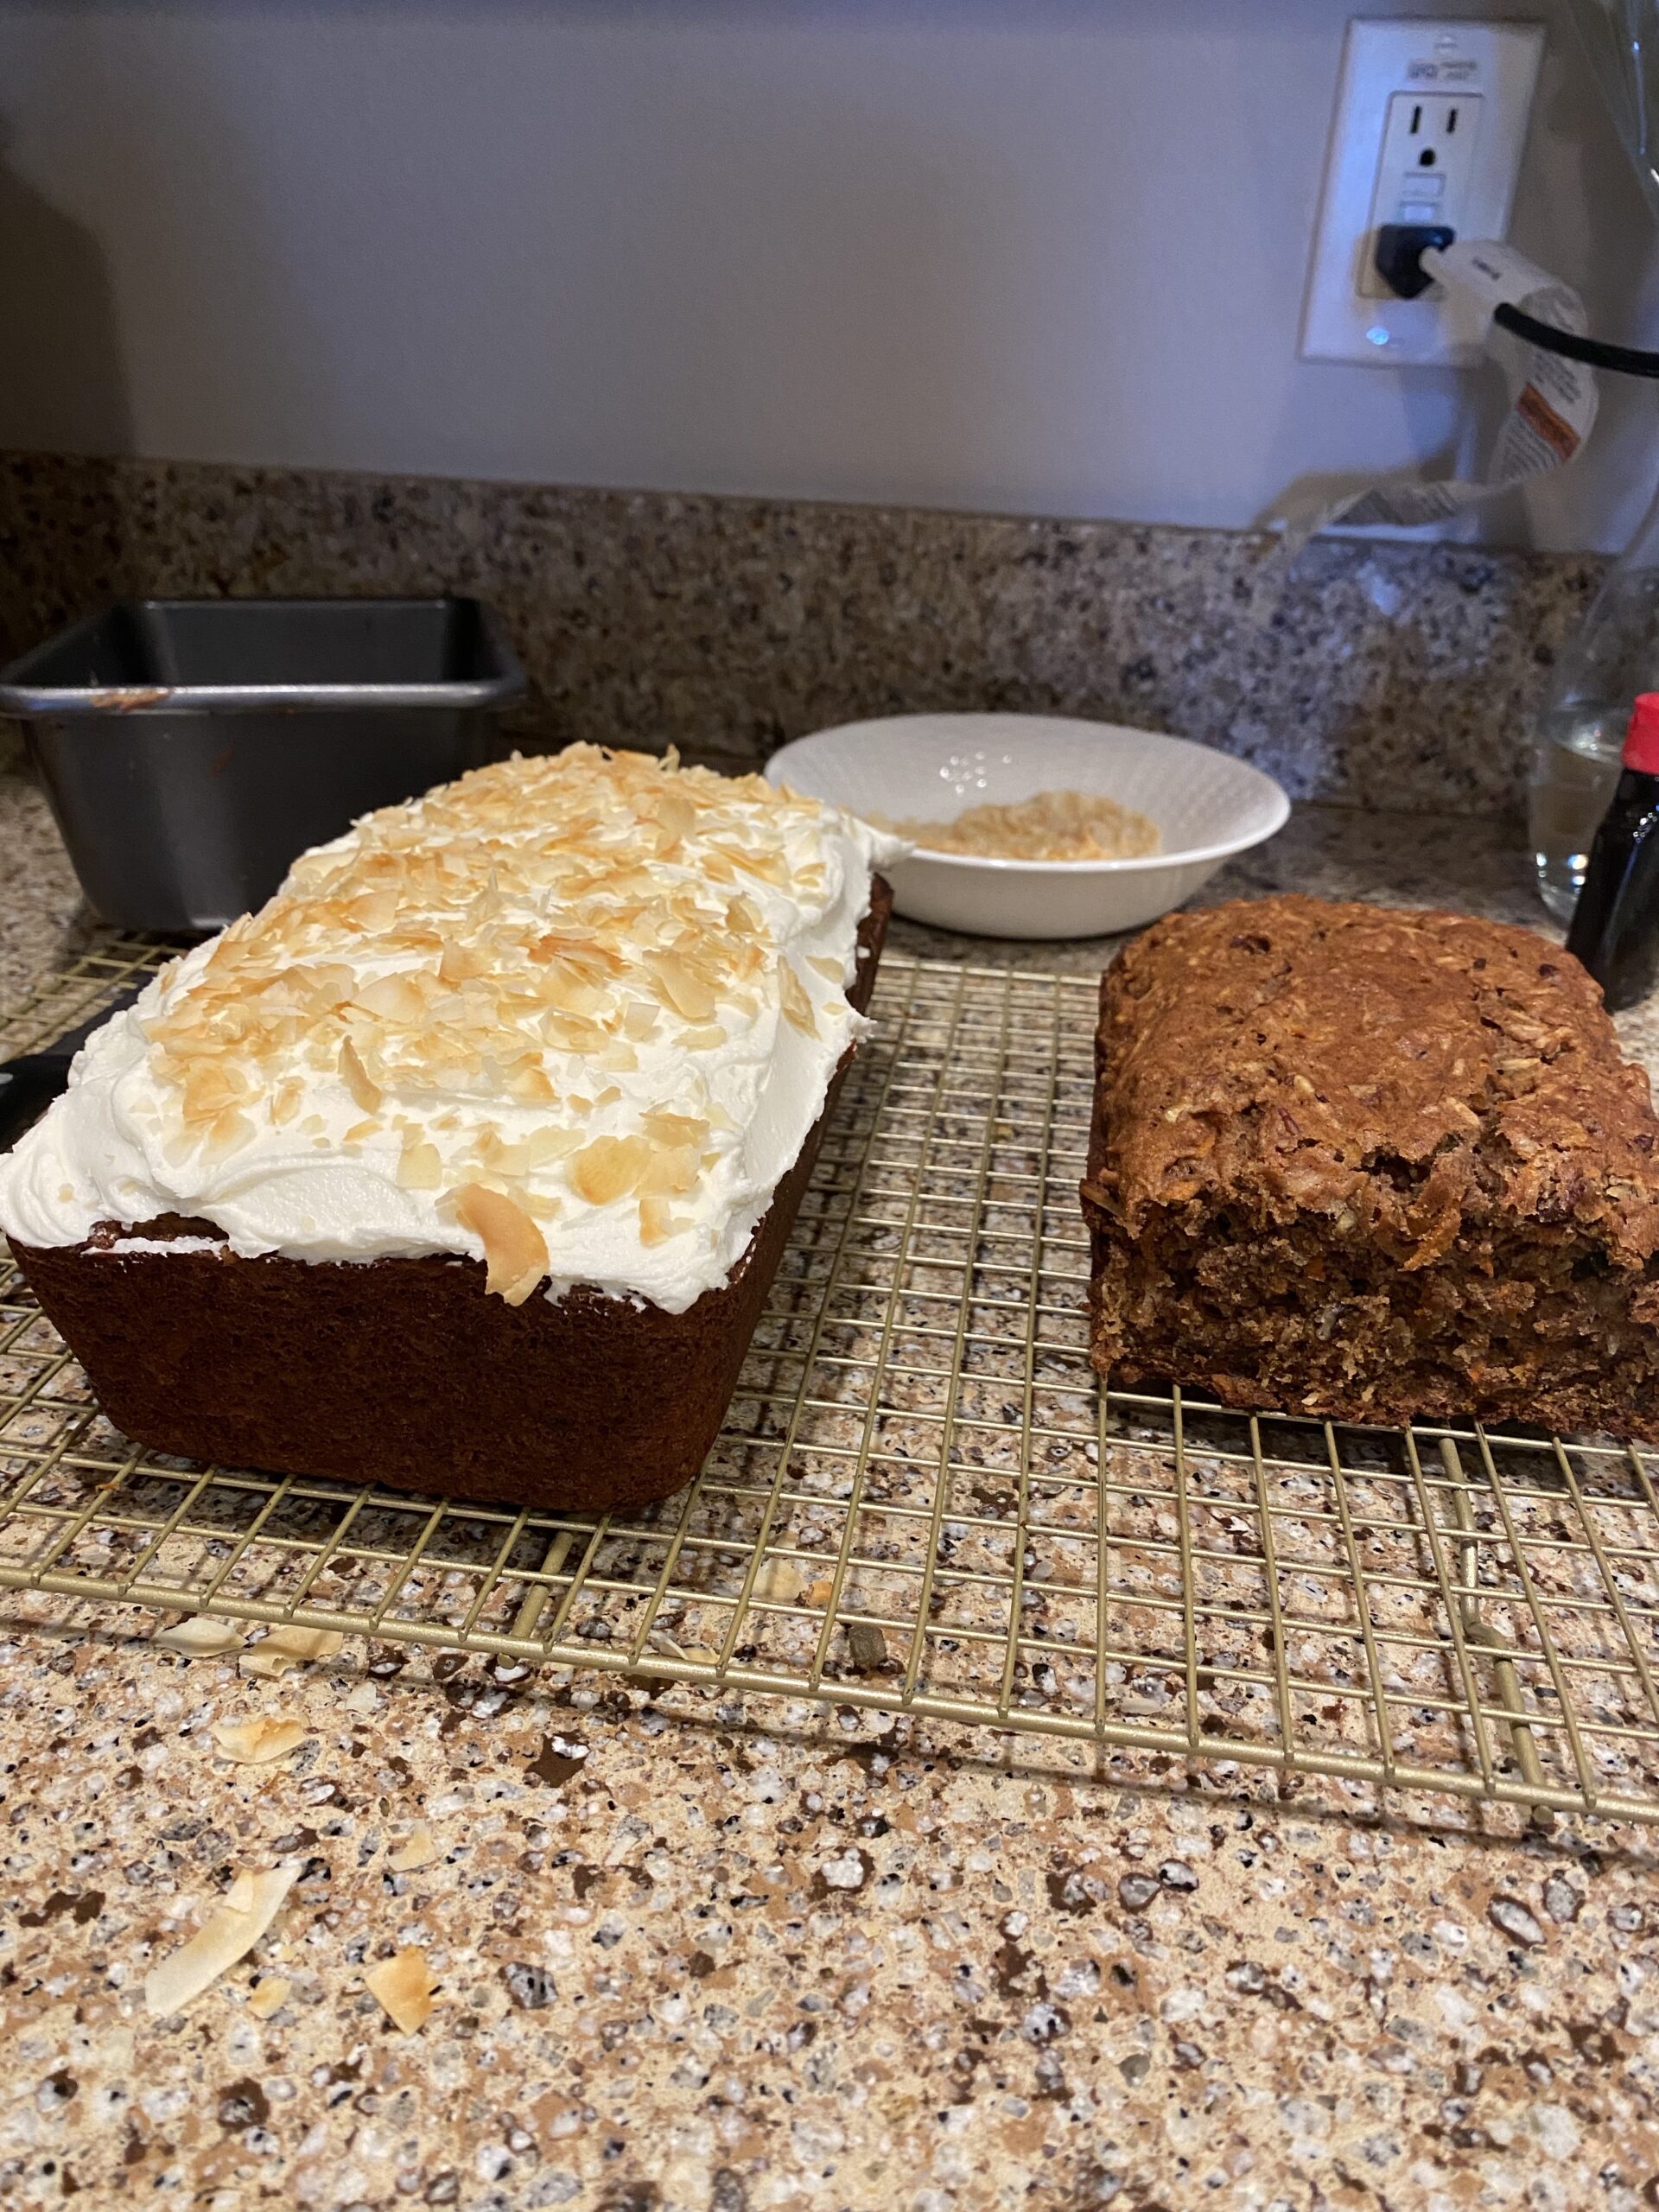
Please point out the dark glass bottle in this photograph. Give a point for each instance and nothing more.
(1616, 923)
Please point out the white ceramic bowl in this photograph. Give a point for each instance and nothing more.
(929, 767)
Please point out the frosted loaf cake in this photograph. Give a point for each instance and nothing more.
(570, 1022)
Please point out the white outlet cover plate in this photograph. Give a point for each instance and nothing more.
(1496, 63)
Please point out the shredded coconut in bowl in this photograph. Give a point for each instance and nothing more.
(1051, 826)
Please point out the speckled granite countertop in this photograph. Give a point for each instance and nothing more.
(703, 1954)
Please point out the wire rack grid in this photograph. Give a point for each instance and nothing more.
(923, 1500)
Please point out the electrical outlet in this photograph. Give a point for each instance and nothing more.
(1423, 176)
(1430, 122)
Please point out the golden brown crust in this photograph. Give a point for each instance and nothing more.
(1372, 1163)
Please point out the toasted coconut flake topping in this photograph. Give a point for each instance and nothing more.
(1054, 825)
(268, 1995)
(228, 1933)
(198, 1636)
(287, 1648)
(514, 1247)
(259, 1741)
(418, 1848)
(420, 1167)
(404, 1986)
(609, 1168)
(676, 1129)
(658, 1222)
(562, 983)
(797, 1007)
(779, 1582)
(366, 1094)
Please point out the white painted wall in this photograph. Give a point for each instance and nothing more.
(1038, 255)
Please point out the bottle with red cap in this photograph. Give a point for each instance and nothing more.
(1616, 923)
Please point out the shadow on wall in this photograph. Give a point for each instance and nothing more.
(61, 371)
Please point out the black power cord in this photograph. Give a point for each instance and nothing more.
(1400, 247)
(1626, 360)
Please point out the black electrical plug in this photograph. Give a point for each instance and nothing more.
(1400, 248)
(1398, 261)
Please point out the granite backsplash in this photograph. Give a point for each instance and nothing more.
(1397, 676)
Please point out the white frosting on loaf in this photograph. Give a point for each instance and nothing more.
(573, 1016)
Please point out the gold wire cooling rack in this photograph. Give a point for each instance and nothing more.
(923, 1501)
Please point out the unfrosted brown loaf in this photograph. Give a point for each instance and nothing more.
(1372, 1164)
(404, 1371)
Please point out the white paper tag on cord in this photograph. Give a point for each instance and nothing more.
(1552, 401)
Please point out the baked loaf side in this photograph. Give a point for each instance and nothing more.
(1372, 1164)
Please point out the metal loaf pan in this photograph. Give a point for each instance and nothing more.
(191, 748)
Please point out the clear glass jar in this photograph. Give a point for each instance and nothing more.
(1614, 655)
